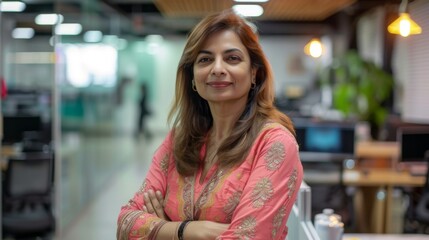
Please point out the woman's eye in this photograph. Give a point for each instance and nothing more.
(234, 58)
(203, 60)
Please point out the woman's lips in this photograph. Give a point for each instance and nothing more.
(219, 84)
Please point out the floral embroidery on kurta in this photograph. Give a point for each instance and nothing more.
(291, 182)
(143, 186)
(275, 156)
(126, 223)
(164, 164)
(207, 190)
(247, 228)
(277, 221)
(188, 197)
(262, 192)
(231, 204)
(145, 230)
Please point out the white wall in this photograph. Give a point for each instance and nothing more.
(165, 75)
(291, 67)
(410, 61)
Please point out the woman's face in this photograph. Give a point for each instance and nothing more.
(222, 70)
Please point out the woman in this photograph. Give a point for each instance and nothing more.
(230, 167)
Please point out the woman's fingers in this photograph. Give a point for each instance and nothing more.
(154, 203)
(147, 203)
(160, 197)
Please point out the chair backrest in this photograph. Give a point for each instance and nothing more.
(28, 175)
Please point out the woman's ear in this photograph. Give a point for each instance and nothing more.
(254, 71)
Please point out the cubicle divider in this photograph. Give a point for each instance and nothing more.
(299, 223)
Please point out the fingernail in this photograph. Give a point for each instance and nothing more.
(145, 194)
(158, 192)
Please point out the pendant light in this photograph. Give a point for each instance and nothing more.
(404, 25)
(314, 48)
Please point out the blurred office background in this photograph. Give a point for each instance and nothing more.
(71, 73)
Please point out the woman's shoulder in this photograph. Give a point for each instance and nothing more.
(272, 128)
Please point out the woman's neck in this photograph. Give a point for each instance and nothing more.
(224, 119)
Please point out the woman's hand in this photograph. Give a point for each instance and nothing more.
(154, 203)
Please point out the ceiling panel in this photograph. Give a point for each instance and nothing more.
(143, 17)
(302, 10)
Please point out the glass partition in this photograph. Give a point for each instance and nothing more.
(27, 63)
(299, 223)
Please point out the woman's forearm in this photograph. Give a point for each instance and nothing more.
(168, 231)
(195, 230)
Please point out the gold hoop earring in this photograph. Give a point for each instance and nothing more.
(193, 86)
(253, 85)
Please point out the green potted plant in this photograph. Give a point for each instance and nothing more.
(359, 89)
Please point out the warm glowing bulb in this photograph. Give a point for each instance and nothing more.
(404, 27)
(314, 48)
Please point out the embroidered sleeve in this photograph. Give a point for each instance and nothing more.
(133, 222)
(271, 190)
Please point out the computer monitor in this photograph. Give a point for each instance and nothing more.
(15, 126)
(413, 148)
(326, 137)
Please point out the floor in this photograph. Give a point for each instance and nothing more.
(98, 220)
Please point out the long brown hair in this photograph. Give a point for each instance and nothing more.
(191, 113)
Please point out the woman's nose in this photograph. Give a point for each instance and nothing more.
(218, 67)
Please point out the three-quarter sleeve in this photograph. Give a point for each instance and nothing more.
(133, 221)
(270, 191)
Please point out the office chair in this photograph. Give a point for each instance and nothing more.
(422, 207)
(27, 205)
(34, 142)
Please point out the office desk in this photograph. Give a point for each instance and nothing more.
(375, 154)
(377, 149)
(369, 183)
(7, 151)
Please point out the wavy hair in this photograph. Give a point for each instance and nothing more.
(191, 113)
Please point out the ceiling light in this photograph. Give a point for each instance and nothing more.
(93, 36)
(12, 6)
(248, 10)
(68, 29)
(404, 25)
(49, 19)
(23, 33)
(314, 48)
(251, 1)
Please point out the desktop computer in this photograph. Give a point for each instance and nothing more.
(413, 149)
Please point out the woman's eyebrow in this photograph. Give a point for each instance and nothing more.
(204, 52)
(226, 51)
(233, 50)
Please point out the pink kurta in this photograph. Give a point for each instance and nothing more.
(255, 198)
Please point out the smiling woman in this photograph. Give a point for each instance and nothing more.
(229, 168)
(223, 71)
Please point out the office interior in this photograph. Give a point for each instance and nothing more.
(69, 107)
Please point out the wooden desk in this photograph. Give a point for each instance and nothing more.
(6, 152)
(376, 149)
(375, 154)
(370, 182)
